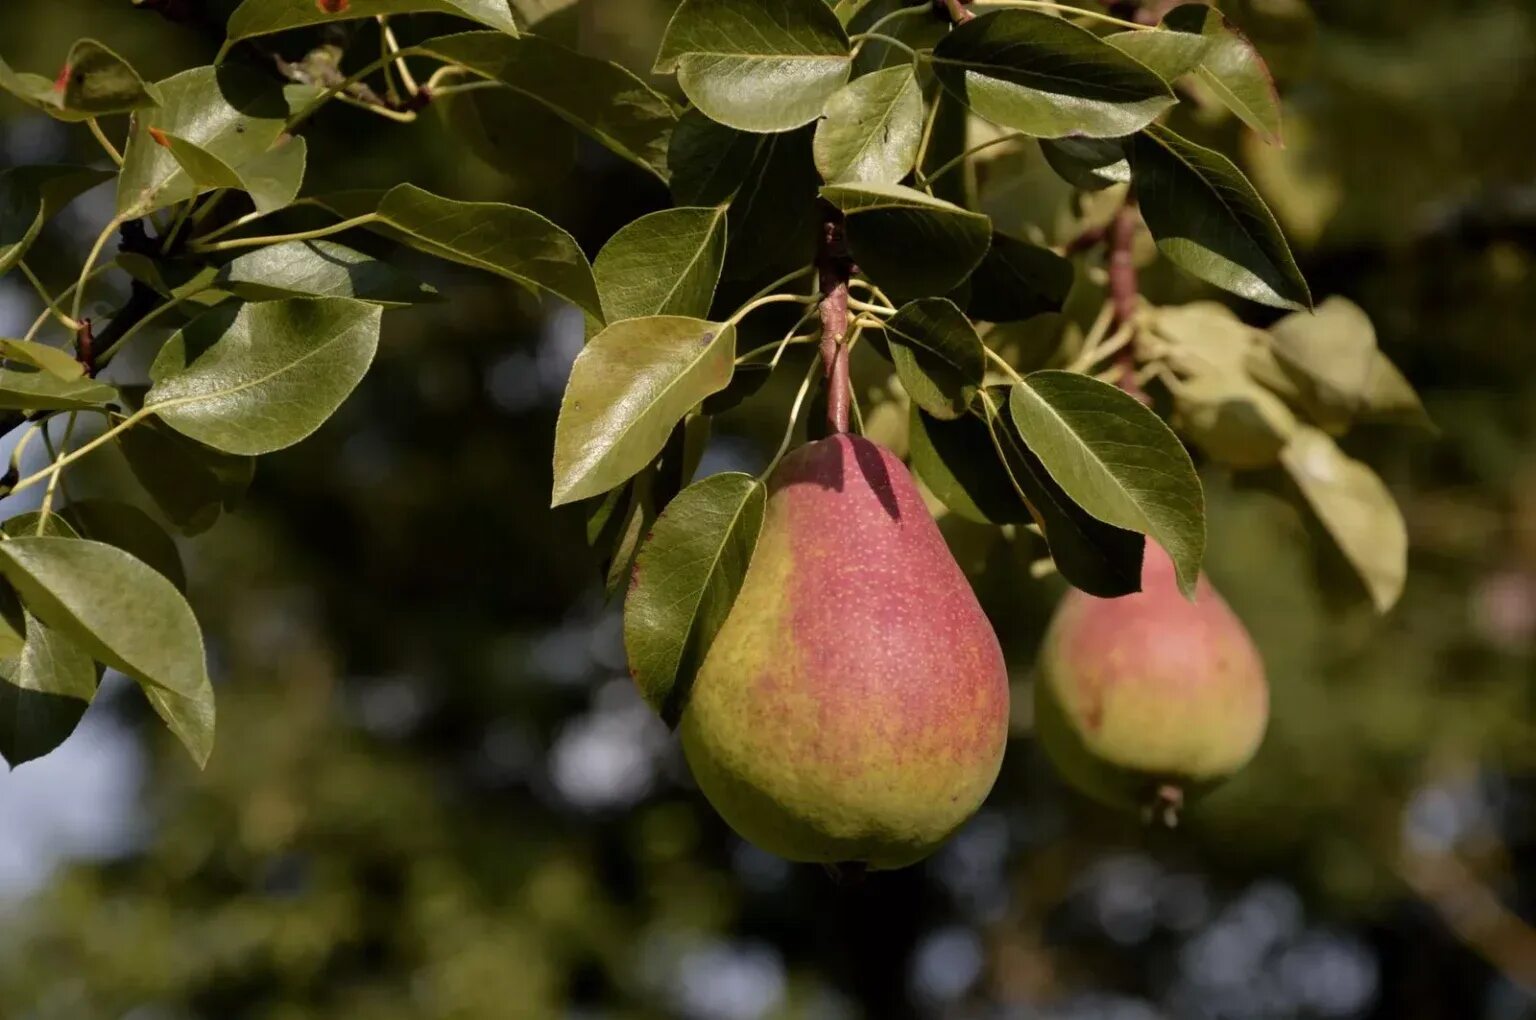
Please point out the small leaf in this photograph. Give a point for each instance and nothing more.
(958, 463)
(1018, 280)
(1210, 221)
(756, 65)
(629, 387)
(52, 360)
(1172, 53)
(190, 483)
(93, 82)
(1232, 68)
(1092, 164)
(264, 17)
(666, 263)
(686, 579)
(29, 198)
(597, 97)
(24, 388)
(1115, 459)
(509, 241)
(130, 529)
(46, 683)
(1357, 510)
(125, 615)
(1233, 419)
(319, 269)
(1096, 557)
(910, 243)
(871, 129)
(1046, 77)
(233, 112)
(937, 354)
(272, 179)
(263, 376)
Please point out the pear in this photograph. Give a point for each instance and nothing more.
(853, 708)
(1149, 699)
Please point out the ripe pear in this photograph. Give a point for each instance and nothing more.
(853, 708)
(1146, 700)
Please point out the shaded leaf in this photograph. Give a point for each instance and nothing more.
(1357, 510)
(666, 263)
(1234, 420)
(46, 683)
(917, 32)
(871, 129)
(190, 483)
(507, 240)
(1232, 68)
(1018, 280)
(262, 376)
(910, 243)
(756, 65)
(629, 387)
(1116, 459)
(1046, 77)
(686, 578)
(130, 529)
(125, 615)
(93, 82)
(513, 133)
(959, 464)
(263, 17)
(1092, 164)
(318, 269)
(29, 198)
(937, 354)
(1208, 219)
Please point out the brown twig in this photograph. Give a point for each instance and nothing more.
(955, 9)
(1125, 287)
(835, 268)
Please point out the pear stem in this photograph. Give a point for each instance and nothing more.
(835, 268)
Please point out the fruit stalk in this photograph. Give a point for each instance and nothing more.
(835, 268)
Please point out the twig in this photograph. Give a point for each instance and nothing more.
(1125, 289)
(955, 9)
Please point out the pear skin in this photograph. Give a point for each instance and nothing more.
(854, 706)
(1146, 700)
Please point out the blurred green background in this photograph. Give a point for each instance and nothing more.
(435, 793)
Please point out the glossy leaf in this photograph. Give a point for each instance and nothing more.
(509, 241)
(272, 179)
(257, 378)
(686, 578)
(756, 65)
(910, 243)
(53, 360)
(1208, 219)
(958, 463)
(597, 97)
(190, 483)
(871, 129)
(1357, 510)
(125, 615)
(667, 263)
(233, 112)
(319, 268)
(1046, 77)
(1115, 459)
(1092, 164)
(1231, 68)
(937, 354)
(1018, 280)
(24, 388)
(93, 82)
(29, 198)
(1170, 52)
(629, 387)
(264, 17)
(130, 529)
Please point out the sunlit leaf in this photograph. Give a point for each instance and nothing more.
(1232, 68)
(666, 263)
(272, 179)
(871, 129)
(24, 388)
(53, 360)
(130, 529)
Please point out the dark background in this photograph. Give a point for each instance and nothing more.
(435, 793)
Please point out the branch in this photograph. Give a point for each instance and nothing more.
(1125, 288)
(835, 267)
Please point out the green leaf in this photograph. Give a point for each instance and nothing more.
(507, 240)
(260, 377)
(1092, 164)
(1211, 222)
(1046, 77)
(29, 198)
(756, 65)
(52, 360)
(937, 354)
(264, 17)
(233, 112)
(125, 615)
(917, 32)
(597, 97)
(93, 82)
(1232, 68)
(496, 125)
(958, 463)
(1233, 419)
(1357, 510)
(24, 388)
(190, 483)
(272, 179)
(667, 263)
(1172, 53)
(685, 581)
(319, 269)
(130, 529)
(1115, 459)
(1099, 558)
(46, 684)
(183, 279)
(629, 387)
(1018, 280)
(871, 129)
(1338, 372)
(910, 243)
